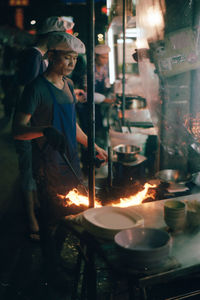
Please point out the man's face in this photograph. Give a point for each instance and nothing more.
(63, 62)
(101, 59)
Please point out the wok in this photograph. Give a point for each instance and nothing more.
(175, 176)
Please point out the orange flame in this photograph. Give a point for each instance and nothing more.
(135, 199)
(74, 197)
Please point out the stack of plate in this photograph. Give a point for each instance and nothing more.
(143, 247)
(104, 222)
(175, 214)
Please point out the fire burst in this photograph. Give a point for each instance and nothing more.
(135, 199)
(75, 198)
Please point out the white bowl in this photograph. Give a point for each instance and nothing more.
(143, 247)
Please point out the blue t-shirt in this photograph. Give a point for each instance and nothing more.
(37, 101)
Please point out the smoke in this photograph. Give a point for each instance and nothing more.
(186, 248)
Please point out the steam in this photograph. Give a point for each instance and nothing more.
(186, 249)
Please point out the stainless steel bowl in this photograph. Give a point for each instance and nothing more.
(126, 153)
(171, 175)
(135, 103)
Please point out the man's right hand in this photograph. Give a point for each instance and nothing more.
(55, 139)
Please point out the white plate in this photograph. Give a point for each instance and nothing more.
(106, 221)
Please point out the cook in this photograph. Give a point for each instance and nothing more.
(30, 66)
(48, 103)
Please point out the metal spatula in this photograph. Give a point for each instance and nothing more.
(81, 184)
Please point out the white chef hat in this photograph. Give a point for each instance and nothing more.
(55, 24)
(102, 49)
(65, 41)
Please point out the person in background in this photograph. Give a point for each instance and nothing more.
(31, 65)
(102, 89)
(101, 97)
(11, 92)
(48, 103)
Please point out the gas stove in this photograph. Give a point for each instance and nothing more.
(111, 194)
(128, 172)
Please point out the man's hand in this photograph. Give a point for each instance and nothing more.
(55, 139)
(102, 154)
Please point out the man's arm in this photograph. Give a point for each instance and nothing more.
(21, 130)
(81, 138)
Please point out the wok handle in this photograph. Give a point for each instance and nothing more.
(67, 162)
(109, 168)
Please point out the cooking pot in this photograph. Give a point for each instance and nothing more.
(133, 102)
(126, 153)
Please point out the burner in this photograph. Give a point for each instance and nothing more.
(128, 172)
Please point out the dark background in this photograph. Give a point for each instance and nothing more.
(41, 9)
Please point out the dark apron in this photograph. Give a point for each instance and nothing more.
(56, 178)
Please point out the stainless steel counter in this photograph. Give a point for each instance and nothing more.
(184, 260)
(185, 244)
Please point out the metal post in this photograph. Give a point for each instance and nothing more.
(124, 60)
(90, 99)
